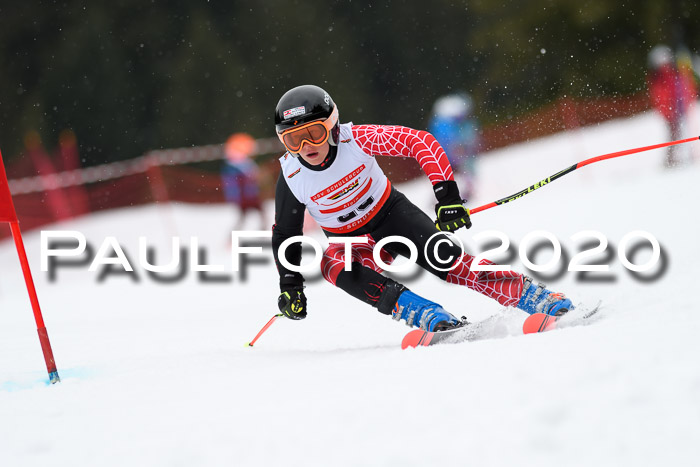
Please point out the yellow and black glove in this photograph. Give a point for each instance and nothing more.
(292, 302)
(450, 210)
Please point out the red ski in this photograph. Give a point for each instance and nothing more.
(467, 332)
(419, 337)
(542, 322)
(538, 322)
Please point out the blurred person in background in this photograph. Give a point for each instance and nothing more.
(454, 126)
(69, 157)
(57, 200)
(673, 92)
(239, 177)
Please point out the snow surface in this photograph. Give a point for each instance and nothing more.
(159, 375)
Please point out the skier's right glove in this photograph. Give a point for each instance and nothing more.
(292, 302)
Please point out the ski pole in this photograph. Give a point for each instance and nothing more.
(578, 165)
(269, 323)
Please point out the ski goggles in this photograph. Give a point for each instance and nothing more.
(314, 133)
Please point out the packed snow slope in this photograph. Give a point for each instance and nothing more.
(158, 374)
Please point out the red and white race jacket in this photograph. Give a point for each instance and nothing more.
(347, 194)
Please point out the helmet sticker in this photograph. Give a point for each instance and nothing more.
(326, 98)
(296, 111)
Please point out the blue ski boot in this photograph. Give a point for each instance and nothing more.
(422, 313)
(537, 299)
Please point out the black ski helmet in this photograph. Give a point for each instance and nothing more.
(305, 104)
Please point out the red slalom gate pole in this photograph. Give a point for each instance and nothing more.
(41, 328)
(269, 323)
(578, 165)
(9, 215)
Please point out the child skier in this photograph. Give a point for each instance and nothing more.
(329, 168)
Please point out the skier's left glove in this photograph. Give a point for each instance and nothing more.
(292, 302)
(450, 210)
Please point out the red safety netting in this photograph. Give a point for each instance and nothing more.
(177, 175)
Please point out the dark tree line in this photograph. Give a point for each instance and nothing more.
(128, 76)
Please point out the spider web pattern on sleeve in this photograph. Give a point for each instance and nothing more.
(400, 141)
